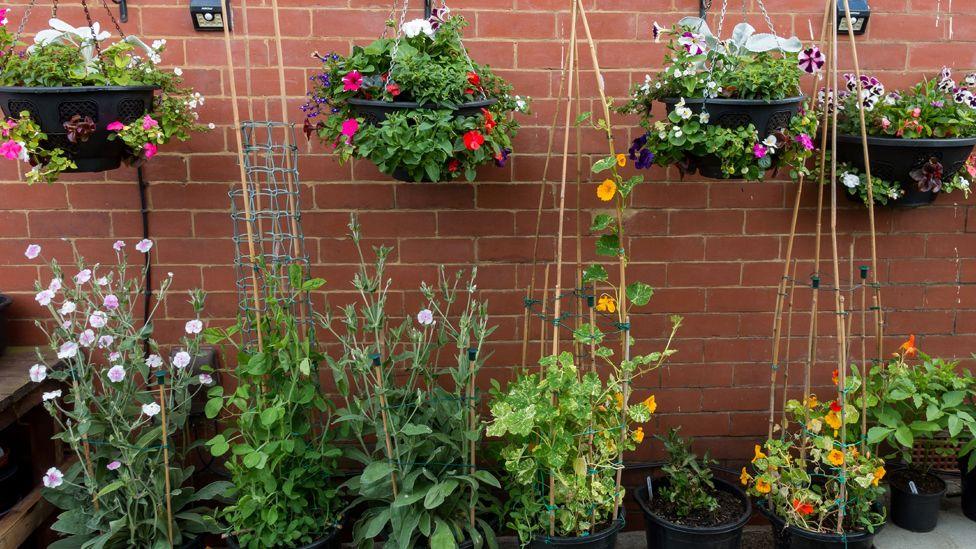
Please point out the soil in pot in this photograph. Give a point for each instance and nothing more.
(968, 488)
(604, 538)
(719, 529)
(917, 512)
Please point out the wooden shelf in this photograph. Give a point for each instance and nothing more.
(18, 393)
(22, 519)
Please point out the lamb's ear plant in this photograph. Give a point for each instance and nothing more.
(410, 406)
(279, 446)
(110, 414)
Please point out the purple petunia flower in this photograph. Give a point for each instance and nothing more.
(645, 160)
(636, 146)
(502, 157)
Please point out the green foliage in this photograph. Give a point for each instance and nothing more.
(885, 191)
(410, 414)
(427, 143)
(280, 458)
(690, 487)
(114, 495)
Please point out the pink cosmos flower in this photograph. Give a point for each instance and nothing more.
(352, 81)
(151, 150)
(804, 140)
(32, 251)
(113, 465)
(111, 302)
(10, 149)
(759, 150)
(148, 122)
(349, 129)
(114, 126)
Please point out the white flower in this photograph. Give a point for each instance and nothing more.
(119, 244)
(178, 71)
(144, 245)
(770, 141)
(684, 112)
(114, 356)
(425, 317)
(54, 285)
(67, 308)
(102, 281)
(150, 409)
(205, 379)
(417, 26)
(38, 373)
(657, 85)
(83, 276)
(211, 126)
(181, 360)
(194, 326)
(703, 117)
(22, 155)
(105, 341)
(850, 180)
(44, 297)
(53, 477)
(154, 361)
(889, 100)
(98, 319)
(678, 132)
(964, 183)
(157, 44)
(677, 72)
(68, 349)
(87, 338)
(116, 373)
(51, 395)
(662, 134)
(32, 251)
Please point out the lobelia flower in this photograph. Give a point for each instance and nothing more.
(44, 297)
(98, 319)
(194, 326)
(51, 395)
(154, 361)
(111, 301)
(850, 180)
(87, 338)
(205, 379)
(150, 409)
(144, 245)
(67, 308)
(811, 60)
(105, 341)
(113, 465)
(38, 373)
(349, 129)
(352, 81)
(118, 245)
(693, 43)
(425, 317)
(181, 360)
(150, 150)
(53, 478)
(83, 276)
(115, 126)
(68, 349)
(473, 140)
(116, 373)
(32, 251)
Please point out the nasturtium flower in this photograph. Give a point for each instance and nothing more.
(832, 419)
(878, 474)
(607, 190)
(352, 81)
(759, 454)
(639, 435)
(834, 376)
(621, 160)
(908, 347)
(811, 401)
(811, 60)
(619, 397)
(835, 457)
(473, 140)
(802, 507)
(763, 486)
(835, 406)
(606, 304)
(744, 478)
(651, 404)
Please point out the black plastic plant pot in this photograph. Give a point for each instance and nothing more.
(767, 116)
(329, 541)
(791, 537)
(968, 488)
(916, 512)
(52, 107)
(894, 159)
(375, 112)
(603, 539)
(664, 534)
(5, 303)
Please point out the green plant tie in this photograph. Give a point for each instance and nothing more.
(774, 367)
(530, 302)
(624, 326)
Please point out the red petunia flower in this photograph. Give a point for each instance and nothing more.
(473, 140)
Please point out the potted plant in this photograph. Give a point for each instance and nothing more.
(910, 403)
(687, 506)
(74, 103)
(120, 411)
(918, 140)
(734, 107)
(415, 105)
(411, 416)
(281, 454)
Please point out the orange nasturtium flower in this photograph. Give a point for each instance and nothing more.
(832, 419)
(620, 400)
(833, 377)
(759, 454)
(836, 458)
(802, 507)
(639, 435)
(606, 304)
(744, 478)
(651, 403)
(763, 486)
(812, 401)
(606, 190)
(879, 474)
(621, 160)
(908, 347)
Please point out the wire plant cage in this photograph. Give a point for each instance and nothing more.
(269, 209)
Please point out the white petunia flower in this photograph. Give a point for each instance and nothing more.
(417, 26)
(850, 180)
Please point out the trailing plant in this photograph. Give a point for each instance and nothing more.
(67, 56)
(118, 395)
(745, 66)
(280, 450)
(910, 403)
(426, 64)
(928, 178)
(690, 487)
(412, 416)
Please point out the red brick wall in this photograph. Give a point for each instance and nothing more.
(713, 250)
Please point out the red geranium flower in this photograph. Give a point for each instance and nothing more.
(393, 89)
(474, 79)
(473, 140)
(489, 120)
(454, 165)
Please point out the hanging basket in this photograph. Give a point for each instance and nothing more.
(893, 159)
(375, 112)
(52, 107)
(767, 116)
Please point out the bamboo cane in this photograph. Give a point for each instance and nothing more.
(164, 442)
(789, 339)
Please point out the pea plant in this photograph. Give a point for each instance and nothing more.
(410, 409)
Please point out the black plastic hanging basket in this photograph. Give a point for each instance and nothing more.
(51, 107)
(375, 112)
(894, 159)
(767, 116)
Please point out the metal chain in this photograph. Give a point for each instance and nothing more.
(386, 28)
(114, 20)
(91, 26)
(20, 30)
(721, 19)
(54, 9)
(765, 14)
(396, 42)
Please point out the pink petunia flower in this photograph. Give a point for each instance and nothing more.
(114, 126)
(144, 245)
(148, 122)
(118, 245)
(10, 149)
(811, 60)
(150, 150)
(352, 81)
(116, 373)
(349, 129)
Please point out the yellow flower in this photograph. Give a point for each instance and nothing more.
(832, 419)
(606, 190)
(812, 401)
(759, 454)
(606, 304)
(650, 403)
(879, 474)
(744, 478)
(620, 400)
(639, 435)
(621, 160)
(836, 457)
(762, 486)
